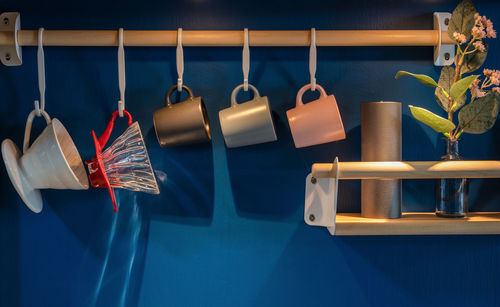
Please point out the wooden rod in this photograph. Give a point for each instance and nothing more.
(409, 170)
(417, 223)
(228, 38)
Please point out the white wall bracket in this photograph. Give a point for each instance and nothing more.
(321, 193)
(10, 55)
(444, 54)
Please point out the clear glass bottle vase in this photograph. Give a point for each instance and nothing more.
(452, 193)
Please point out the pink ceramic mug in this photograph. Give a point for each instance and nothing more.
(316, 122)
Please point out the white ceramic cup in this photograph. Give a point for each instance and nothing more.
(247, 123)
(51, 162)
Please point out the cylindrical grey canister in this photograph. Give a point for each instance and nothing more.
(381, 141)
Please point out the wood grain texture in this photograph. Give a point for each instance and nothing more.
(410, 170)
(228, 38)
(352, 224)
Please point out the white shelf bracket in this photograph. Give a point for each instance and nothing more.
(10, 55)
(320, 207)
(444, 55)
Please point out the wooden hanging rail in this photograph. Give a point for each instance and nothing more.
(408, 170)
(228, 38)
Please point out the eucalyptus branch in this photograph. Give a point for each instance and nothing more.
(468, 29)
(486, 83)
(472, 51)
(461, 61)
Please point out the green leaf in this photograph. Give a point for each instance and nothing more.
(432, 120)
(459, 88)
(462, 19)
(421, 78)
(442, 91)
(480, 115)
(474, 61)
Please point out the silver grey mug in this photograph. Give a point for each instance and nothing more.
(247, 123)
(182, 123)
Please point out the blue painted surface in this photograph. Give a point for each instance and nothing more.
(227, 228)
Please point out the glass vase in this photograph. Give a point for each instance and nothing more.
(452, 193)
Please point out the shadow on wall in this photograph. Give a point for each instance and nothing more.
(418, 195)
(349, 191)
(10, 283)
(485, 192)
(186, 182)
(377, 269)
(260, 184)
(115, 244)
(264, 175)
(349, 197)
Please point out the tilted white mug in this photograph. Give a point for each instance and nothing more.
(247, 123)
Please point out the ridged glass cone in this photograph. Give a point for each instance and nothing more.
(126, 163)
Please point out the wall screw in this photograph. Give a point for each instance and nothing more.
(446, 56)
(6, 21)
(313, 180)
(312, 217)
(7, 56)
(447, 21)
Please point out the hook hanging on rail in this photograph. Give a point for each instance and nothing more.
(312, 59)
(246, 60)
(121, 72)
(179, 54)
(40, 58)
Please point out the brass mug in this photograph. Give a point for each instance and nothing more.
(182, 123)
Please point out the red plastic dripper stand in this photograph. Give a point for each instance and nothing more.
(97, 175)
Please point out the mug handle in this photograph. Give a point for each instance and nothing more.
(27, 130)
(103, 139)
(171, 90)
(238, 88)
(305, 88)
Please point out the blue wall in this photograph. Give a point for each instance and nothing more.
(227, 228)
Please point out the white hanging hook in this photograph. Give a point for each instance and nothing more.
(40, 105)
(121, 72)
(246, 60)
(179, 59)
(312, 59)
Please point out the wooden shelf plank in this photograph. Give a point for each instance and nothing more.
(352, 224)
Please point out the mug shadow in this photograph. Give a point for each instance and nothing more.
(263, 175)
(186, 182)
(349, 191)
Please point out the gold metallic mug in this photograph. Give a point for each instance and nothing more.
(183, 123)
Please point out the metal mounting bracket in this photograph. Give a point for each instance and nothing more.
(321, 194)
(10, 55)
(444, 55)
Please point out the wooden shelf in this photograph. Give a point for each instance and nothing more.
(352, 224)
